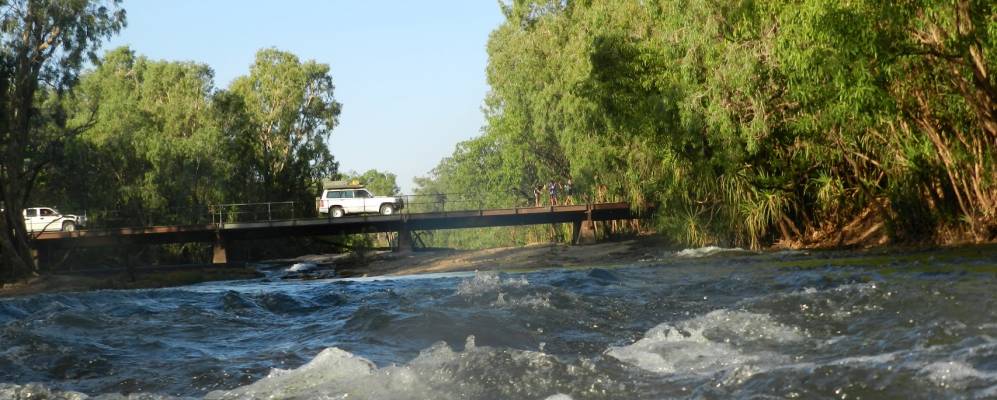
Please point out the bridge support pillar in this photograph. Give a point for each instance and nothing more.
(219, 252)
(38, 257)
(583, 232)
(404, 243)
(41, 256)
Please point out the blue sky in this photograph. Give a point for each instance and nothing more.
(410, 75)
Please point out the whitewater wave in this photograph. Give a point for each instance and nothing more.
(438, 372)
(955, 374)
(709, 251)
(532, 302)
(719, 341)
(300, 267)
(488, 282)
(35, 391)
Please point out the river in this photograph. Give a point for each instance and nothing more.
(782, 325)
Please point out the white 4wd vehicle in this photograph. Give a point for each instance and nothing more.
(41, 219)
(338, 202)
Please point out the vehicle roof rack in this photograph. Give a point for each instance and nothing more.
(351, 184)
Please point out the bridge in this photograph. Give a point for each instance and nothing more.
(223, 234)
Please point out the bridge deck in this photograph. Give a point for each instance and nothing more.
(329, 226)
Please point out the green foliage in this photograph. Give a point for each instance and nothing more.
(43, 44)
(379, 183)
(159, 144)
(151, 145)
(278, 120)
(747, 121)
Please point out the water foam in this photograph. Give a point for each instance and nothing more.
(35, 391)
(531, 302)
(438, 372)
(707, 251)
(298, 267)
(333, 373)
(487, 282)
(955, 374)
(719, 341)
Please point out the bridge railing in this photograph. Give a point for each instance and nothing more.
(412, 204)
(104, 218)
(453, 202)
(442, 202)
(288, 210)
(253, 212)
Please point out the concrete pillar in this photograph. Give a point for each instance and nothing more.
(404, 243)
(36, 258)
(219, 252)
(583, 232)
(41, 256)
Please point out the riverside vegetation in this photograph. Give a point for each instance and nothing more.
(746, 122)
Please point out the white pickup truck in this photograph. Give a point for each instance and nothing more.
(354, 199)
(41, 219)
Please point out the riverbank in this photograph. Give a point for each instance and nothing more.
(528, 257)
(141, 278)
(642, 250)
(373, 264)
(652, 251)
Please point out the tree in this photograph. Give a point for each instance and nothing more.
(277, 121)
(44, 45)
(748, 121)
(152, 147)
(380, 183)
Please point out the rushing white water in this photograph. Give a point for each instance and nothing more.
(707, 251)
(711, 343)
(300, 267)
(712, 328)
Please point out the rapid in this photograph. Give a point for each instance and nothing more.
(729, 325)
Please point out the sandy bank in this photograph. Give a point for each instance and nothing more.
(141, 278)
(647, 250)
(375, 263)
(505, 258)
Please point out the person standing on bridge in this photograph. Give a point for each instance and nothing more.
(568, 201)
(553, 193)
(538, 191)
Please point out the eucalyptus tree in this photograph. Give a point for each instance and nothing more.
(152, 152)
(44, 44)
(277, 121)
(380, 183)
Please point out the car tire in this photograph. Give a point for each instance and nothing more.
(336, 212)
(387, 209)
(68, 226)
